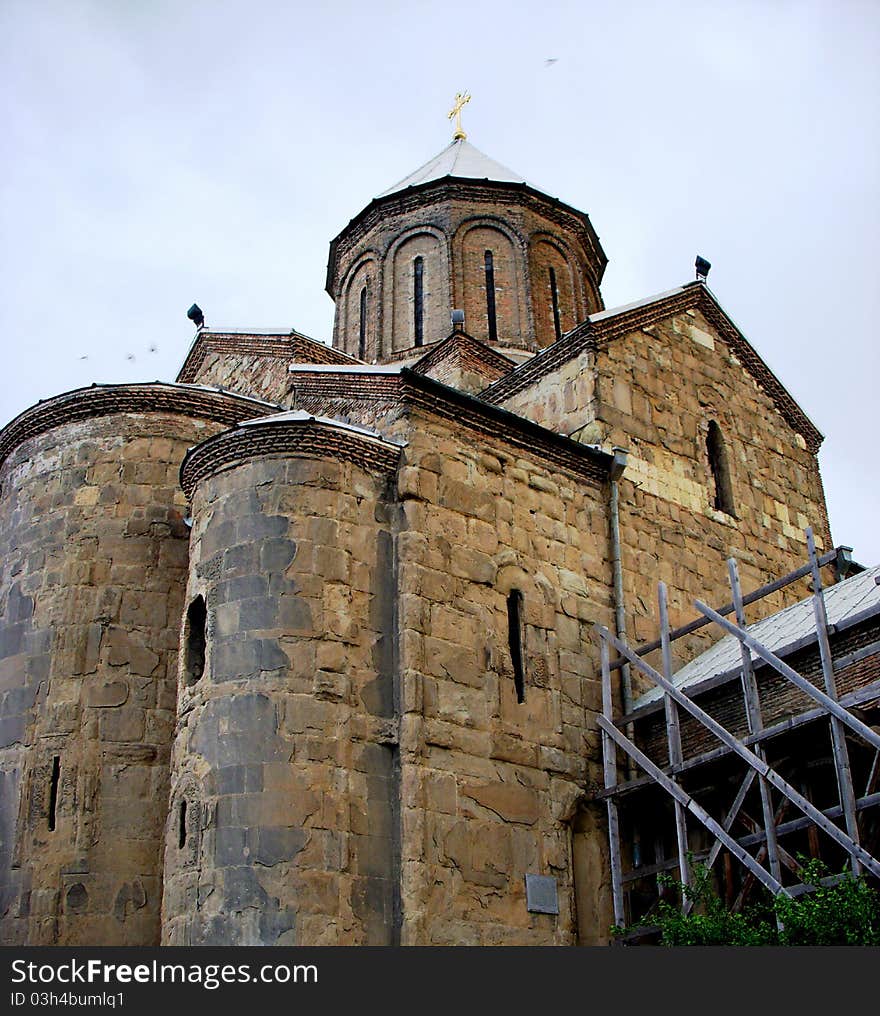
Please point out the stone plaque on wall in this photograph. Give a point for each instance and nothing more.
(541, 897)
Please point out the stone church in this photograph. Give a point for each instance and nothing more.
(299, 649)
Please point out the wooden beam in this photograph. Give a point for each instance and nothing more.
(828, 704)
(673, 738)
(692, 806)
(754, 721)
(762, 768)
(796, 824)
(609, 755)
(758, 594)
(854, 698)
(727, 824)
(840, 751)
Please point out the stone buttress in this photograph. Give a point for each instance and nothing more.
(282, 822)
(94, 554)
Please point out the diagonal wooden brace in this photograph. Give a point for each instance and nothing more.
(684, 799)
(761, 767)
(828, 703)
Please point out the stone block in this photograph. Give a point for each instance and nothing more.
(122, 724)
(512, 802)
(105, 694)
(277, 844)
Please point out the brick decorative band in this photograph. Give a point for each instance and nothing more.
(310, 439)
(106, 400)
(490, 421)
(450, 188)
(460, 350)
(287, 345)
(598, 334)
(329, 384)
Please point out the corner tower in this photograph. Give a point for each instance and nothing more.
(462, 232)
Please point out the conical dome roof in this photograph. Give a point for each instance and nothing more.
(459, 159)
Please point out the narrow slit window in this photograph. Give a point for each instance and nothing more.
(418, 300)
(515, 640)
(720, 468)
(181, 831)
(53, 791)
(554, 296)
(489, 263)
(362, 328)
(196, 618)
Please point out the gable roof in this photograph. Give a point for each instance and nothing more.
(604, 327)
(464, 352)
(289, 344)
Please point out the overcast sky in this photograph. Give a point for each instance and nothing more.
(161, 152)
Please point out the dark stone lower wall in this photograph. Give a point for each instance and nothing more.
(282, 819)
(93, 563)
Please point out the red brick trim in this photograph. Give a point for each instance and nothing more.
(462, 350)
(152, 397)
(312, 439)
(597, 334)
(282, 345)
(379, 387)
(465, 189)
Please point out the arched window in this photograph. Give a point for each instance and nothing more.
(489, 264)
(554, 296)
(720, 468)
(195, 638)
(418, 303)
(362, 326)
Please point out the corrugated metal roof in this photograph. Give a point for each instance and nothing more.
(459, 159)
(842, 601)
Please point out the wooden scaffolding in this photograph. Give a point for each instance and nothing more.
(765, 794)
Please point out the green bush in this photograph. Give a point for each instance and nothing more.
(844, 912)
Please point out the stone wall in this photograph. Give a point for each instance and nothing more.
(259, 375)
(93, 551)
(285, 753)
(654, 391)
(491, 785)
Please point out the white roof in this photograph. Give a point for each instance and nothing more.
(459, 159)
(623, 308)
(300, 416)
(345, 368)
(843, 601)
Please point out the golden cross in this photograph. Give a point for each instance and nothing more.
(460, 100)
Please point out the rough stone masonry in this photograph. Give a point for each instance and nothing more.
(298, 649)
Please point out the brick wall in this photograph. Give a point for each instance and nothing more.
(451, 227)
